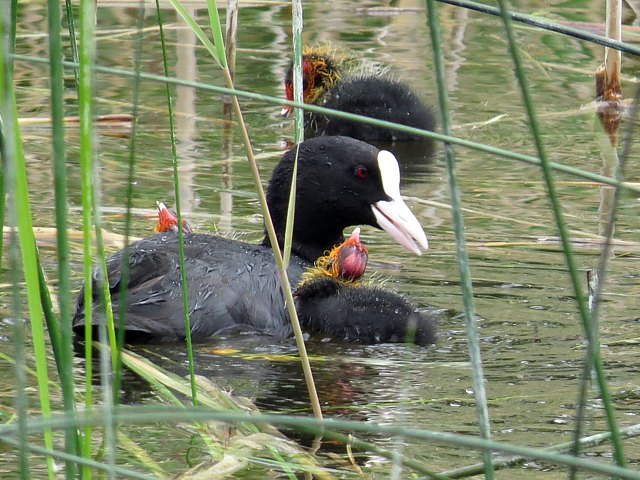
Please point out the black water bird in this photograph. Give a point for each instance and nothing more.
(234, 285)
(343, 82)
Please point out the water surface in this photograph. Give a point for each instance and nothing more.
(531, 336)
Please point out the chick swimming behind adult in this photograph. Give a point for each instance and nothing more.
(344, 83)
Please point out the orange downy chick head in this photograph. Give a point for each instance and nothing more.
(168, 221)
(319, 73)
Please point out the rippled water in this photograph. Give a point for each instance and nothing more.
(531, 337)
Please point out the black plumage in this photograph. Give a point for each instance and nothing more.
(234, 285)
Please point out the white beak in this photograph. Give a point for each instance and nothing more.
(393, 216)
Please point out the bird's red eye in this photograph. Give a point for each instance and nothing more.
(362, 172)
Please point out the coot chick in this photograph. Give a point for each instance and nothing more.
(346, 262)
(168, 221)
(361, 314)
(233, 284)
(332, 298)
(346, 84)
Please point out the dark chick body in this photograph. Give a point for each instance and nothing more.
(348, 86)
(362, 314)
(379, 98)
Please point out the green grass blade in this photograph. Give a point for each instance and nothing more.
(291, 211)
(64, 359)
(141, 415)
(285, 285)
(7, 177)
(198, 31)
(18, 340)
(72, 39)
(284, 280)
(13, 26)
(124, 268)
(216, 30)
(564, 235)
(539, 22)
(49, 315)
(9, 12)
(297, 24)
(19, 198)
(529, 159)
(103, 285)
(3, 155)
(87, 55)
(462, 256)
(298, 113)
(176, 186)
(85, 462)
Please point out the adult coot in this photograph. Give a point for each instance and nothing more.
(234, 285)
(341, 82)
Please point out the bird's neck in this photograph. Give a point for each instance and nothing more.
(309, 249)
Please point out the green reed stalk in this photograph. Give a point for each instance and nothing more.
(103, 284)
(87, 58)
(108, 447)
(134, 415)
(584, 442)
(8, 22)
(65, 356)
(7, 176)
(85, 462)
(72, 38)
(462, 256)
(605, 255)
(13, 26)
(564, 235)
(20, 383)
(298, 122)
(21, 208)
(282, 270)
(176, 188)
(12, 14)
(335, 113)
(297, 24)
(3, 155)
(49, 315)
(124, 267)
(291, 211)
(538, 22)
(85, 100)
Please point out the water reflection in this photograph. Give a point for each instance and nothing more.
(532, 341)
(185, 121)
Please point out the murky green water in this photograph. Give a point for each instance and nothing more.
(530, 332)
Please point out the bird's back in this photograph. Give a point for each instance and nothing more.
(231, 285)
(377, 97)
